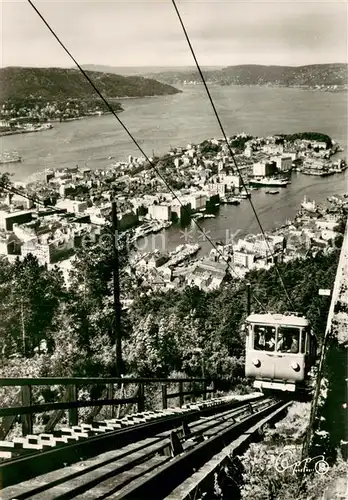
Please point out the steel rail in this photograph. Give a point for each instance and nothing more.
(34, 464)
(202, 480)
(168, 476)
(119, 465)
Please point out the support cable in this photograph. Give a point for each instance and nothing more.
(130, 135)
(230, 150)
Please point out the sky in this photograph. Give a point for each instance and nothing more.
(147, 33)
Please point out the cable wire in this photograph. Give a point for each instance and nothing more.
(130, 135)
(229, 148)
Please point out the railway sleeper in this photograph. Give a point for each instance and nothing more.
(163, 448)
(25, 470)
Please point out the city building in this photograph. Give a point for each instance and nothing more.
(197, 201)
(73, 206)
(180, 210)
(160, 212)
(7, 219)
(217, 188)
(283, 163)
(157, 260)
(10, 244)
(243, 258)
(232, 181)
(264, 168)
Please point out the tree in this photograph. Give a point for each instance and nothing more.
(30, 299)
(90, 302)
(207, 147)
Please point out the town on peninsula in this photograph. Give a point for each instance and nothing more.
(51, 217)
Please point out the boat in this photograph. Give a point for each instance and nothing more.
(10, 158)
(231, 201)
(269, 181)
(244, 194)
(310, 206)
(318, 172)
(272, 191)
(198, 216)
(157, 227)
(209, 216)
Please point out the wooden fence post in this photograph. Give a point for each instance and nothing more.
(204, 390)
(110, 395)
(73, 412)
(181, 396)
(193, 395)
(164, 396)
(121, 397)
(27, 420)
(141, 397)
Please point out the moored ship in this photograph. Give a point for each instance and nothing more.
(10, 158)
(310, 206)
(269, 182)
(230, 200)
(318, 173)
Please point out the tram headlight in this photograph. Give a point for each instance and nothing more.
(295, 367)
(256, 362)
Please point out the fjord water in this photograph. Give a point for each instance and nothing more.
(160, 122)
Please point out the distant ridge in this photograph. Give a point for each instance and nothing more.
(142, 70)
(254, 74)
(61, 84)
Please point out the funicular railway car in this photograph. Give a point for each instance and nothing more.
(280, 351)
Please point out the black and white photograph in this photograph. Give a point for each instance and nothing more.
(173, 249)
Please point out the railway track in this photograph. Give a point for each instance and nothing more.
(147, 459)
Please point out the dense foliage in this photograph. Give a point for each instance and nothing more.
(62, 84)
(188, 331)
(239, 142)
(209, 147)
(310, 136)
(194, 330)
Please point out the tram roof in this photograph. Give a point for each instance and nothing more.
(278, 319)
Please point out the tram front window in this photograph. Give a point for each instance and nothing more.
(264, 337)
(288, 339)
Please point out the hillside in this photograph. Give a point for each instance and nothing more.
(144, 70)
(253, 74)
(18, 83)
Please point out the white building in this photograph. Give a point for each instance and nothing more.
(263, 168)
(74, 206)
(232, 181)
(197, 201)
(160, 212)
(273, 148)
(217, 188)
(244, 258)
(248, 152)
(283, 163)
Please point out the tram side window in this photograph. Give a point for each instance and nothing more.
(264, 337)
(288, 340)
(303, 340)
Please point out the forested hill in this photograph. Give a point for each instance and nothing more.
(254, 74)
(18, 83)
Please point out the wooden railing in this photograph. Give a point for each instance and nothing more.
(71, 402)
